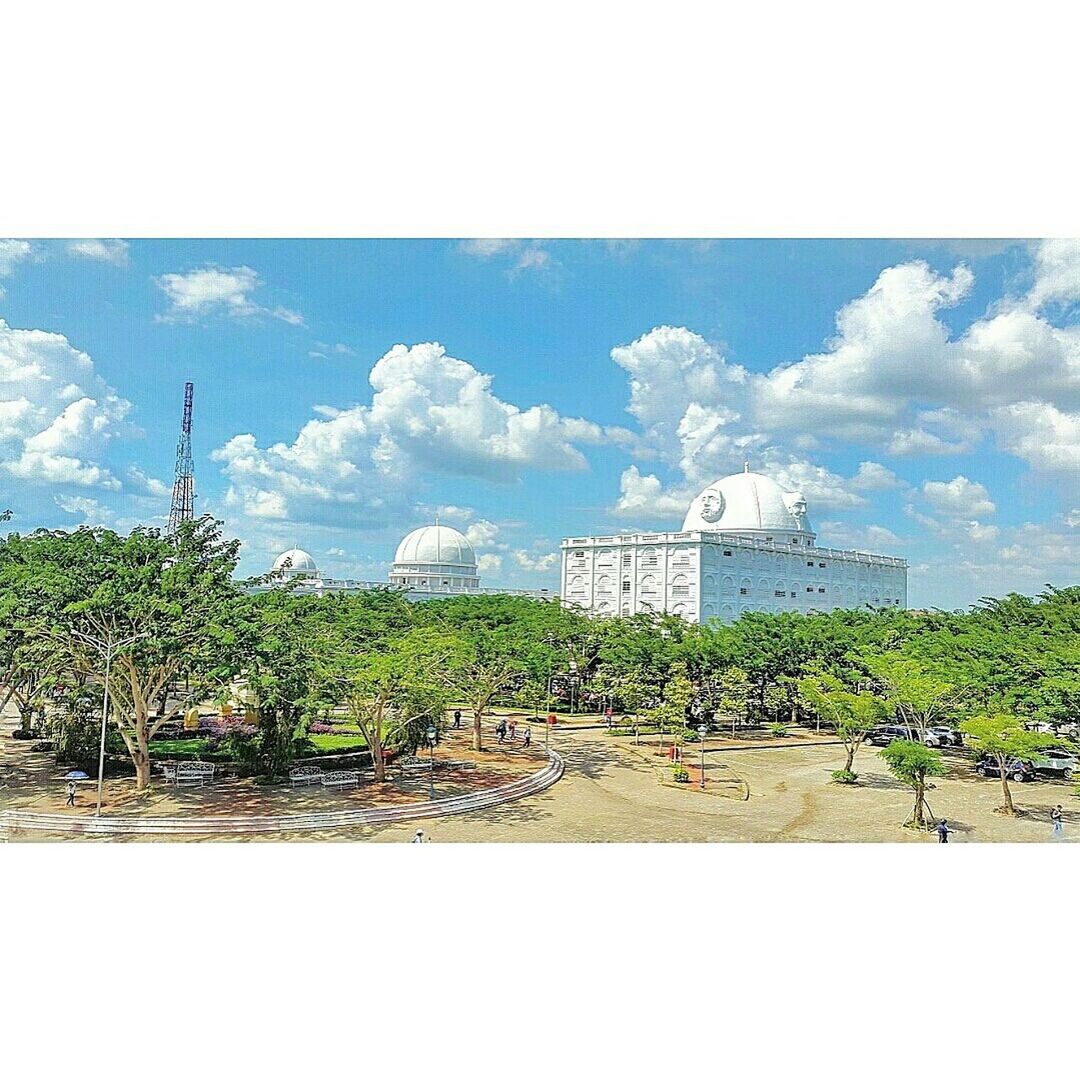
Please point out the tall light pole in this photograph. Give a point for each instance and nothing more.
(110, 651)
(431, 733)
(703, 730)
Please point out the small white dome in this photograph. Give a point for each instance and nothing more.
(436, 544)
(296, 561)
(748, 502)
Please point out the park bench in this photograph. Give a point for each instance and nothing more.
(341, 778)
(188, 772)
(305, 774)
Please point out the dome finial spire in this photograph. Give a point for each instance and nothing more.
(746, 466)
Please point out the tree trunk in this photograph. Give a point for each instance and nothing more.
(26, 717)
(378, 759)
(1006, 792)
(141, 759)
(850, 758)
(920, 798)
(477, 731)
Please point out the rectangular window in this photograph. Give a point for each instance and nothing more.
(793, 595)
(626, 558)
(744, 592)
(821, 564)
(821, 588)
(809, 588)
(626, 586)
(794, 539)
(727, 551)
(780, 592)
(810, 562)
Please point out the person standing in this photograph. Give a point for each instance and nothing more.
(71, 793)
(457, 718)
(500, 730)
(419, 837)
(943, 831)
(513, 729)
(528, 737)
(609, 715)
(1055, 818)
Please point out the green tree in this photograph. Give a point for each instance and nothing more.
(919, 697)
(154, 606)
(389, 693)
(1001, 737)
(853, 715)
(911, 763)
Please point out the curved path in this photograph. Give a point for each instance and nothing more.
(16, 820)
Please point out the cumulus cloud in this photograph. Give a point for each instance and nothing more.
(958, 498)
(57, 412)
(12, 252)
(1057, 273)
(430, 414)
(215, 290)
(482, 533)
(489, 561)
(528, 561)
(108, 251)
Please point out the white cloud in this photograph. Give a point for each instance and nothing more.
(1042, 435)
(147, 485)
(58, 414)
(109, 251)
(336, 552)
(848, 537)
(489, 561)
(12, 252)
(528, 561)
(486, 247)
(873, 476)
(524, 255)
(482, 533)
(89, 510)
(430, 414)
(958, 498)
(215, 290)
(644, 497)
(1057, 273)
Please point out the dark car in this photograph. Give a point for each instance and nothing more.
(1059, 764)
(886, 733)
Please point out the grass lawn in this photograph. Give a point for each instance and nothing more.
(179, 748)
(337, 744)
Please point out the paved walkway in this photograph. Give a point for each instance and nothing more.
(609, 793)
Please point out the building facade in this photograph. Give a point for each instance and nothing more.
(746, 545)
(430, 562)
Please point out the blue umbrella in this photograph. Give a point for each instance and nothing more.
(76, 774)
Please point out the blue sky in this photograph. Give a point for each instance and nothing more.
(922, 394)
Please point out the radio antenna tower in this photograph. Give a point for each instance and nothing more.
(183, 494)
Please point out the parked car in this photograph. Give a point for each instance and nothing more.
(1059, 764)
(946, 736)
(935, 736)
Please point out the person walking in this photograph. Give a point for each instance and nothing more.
(457, 718)
(1055, 818)
(528, 737)
(609, 715)
(943, 831)
(419, 837)
(513, 729)
(71, 793)
(500, 730)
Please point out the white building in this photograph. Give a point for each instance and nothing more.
(746, 545)
(432, 561)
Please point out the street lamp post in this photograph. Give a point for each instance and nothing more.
(110, 651)
(703, 730)
(431, 733)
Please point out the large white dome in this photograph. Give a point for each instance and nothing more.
(296, 561)
(436, 544)
(748, 502)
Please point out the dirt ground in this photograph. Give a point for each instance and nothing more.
(756, 790)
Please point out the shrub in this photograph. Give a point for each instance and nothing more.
(22, 733)
(680, 775)
(779, 730)
(845, 776)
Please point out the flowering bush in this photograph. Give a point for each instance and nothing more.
(219, 727)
